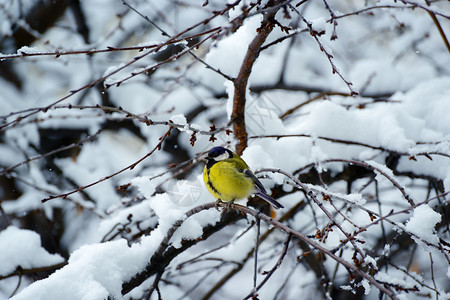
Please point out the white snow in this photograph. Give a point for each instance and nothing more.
(422, 224)
(396, 51)
(396, 278)
(84, 276)
(22, 248)
(318, 24)
(365, 283)
(179, 119)
(228, 53)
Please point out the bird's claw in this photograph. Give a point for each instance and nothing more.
(216, 206)
(229, 204)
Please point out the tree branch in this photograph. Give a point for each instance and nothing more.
(165, 254)
(241, 81)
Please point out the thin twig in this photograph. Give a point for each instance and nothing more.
(21, 271)
(414, 4)
(432, 275)
(50, 153)
(129, 167)
(288, 215)
(275, 267)
(309, 189)
(255, 266)
(348, 142)
(439, 27)
(317, 246)
(164, 33)
(382, 172)
(334, 69)
(31, 112)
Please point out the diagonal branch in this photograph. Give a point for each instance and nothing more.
(165, 253)
(439, 28)
(129, 167)
(317, 246)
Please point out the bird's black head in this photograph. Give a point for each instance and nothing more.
(217, 154)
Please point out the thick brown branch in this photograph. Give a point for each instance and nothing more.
(240, 83)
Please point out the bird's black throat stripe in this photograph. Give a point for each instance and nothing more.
(210, 163)
(211, 185)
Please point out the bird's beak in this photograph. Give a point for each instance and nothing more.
(204, 157)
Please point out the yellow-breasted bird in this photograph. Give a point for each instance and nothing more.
(227, 177)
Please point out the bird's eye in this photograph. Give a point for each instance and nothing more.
(216, 151)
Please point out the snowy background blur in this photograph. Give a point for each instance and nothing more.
(107, 106)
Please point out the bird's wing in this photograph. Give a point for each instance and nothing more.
(255, 180)
(269, 199)
(262, 191)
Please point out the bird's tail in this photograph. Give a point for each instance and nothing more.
(269, 199)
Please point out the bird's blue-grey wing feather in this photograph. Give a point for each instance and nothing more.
(262, 191)
(256, 181)
(269, 199)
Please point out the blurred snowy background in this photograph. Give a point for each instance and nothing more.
(107, 106)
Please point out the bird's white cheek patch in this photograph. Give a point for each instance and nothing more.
(221, 157)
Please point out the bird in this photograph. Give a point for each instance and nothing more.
(228, 177)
